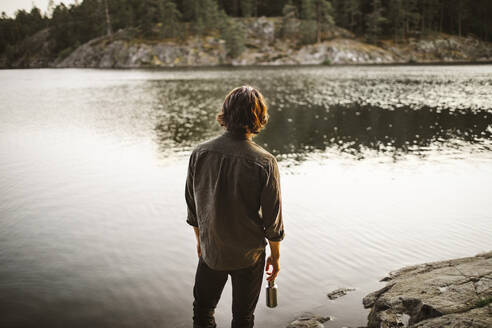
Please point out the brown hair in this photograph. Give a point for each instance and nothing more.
(244, 110)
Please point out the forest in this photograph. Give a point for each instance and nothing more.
(302, 20)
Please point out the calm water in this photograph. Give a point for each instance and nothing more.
(381, 167)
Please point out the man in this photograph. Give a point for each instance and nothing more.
(234, 205)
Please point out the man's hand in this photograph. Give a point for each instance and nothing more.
(273, 260)
(272, 263)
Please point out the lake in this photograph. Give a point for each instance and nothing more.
(381, 167)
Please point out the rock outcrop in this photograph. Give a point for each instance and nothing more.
(454, 293)
(263, 46)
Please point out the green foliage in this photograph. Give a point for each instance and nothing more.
(77, 24)
(307, 10)
(247, 9)
(483, 302)
(353, 14)
(308, 31)
(375, 21)
(234, 36)
(316, 17)
(324, 17)
(62, 28)
(204, 16)
(430, 13)
(304, 20)
(397, 15)
(13, 30)
(289, 22)
(189, 9)
(171, 19)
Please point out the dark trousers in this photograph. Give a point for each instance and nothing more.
(246, 287)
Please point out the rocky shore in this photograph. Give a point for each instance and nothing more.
(453, 294)
(263, 46)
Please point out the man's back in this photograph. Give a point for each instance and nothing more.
(233, 198)
(235, 191)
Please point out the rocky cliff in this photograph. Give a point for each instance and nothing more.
(263, 46)
(454, 293)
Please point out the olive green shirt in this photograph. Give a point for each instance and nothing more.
(233, 197)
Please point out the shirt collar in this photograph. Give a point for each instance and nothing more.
(237, 135)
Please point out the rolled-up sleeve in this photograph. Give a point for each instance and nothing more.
(189, 193)
(271, 204)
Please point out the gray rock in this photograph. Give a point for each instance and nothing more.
(339, 293)
(478, 318)
(260, 28)
(439, 294)
(308, 320)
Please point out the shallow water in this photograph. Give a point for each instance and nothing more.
(381, 167)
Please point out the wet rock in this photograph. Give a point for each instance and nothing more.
(339, 293)
(454, 293)
(370, 299)
(308, 320)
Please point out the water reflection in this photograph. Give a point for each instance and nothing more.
(301, 124)
(356, 128)
(185, 115)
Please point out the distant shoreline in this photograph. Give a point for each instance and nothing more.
(263, 48)
(269, 66)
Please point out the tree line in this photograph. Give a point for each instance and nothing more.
(305, 20)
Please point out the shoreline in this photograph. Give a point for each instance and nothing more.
(256, 66)
(263, 47)
(450, 293)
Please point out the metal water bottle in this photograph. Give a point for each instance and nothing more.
(271, 294)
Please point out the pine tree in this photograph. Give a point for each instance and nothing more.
(150, 13)
(353, 13)
(189, 9)
(429, 15)
(308, 22)
(172, 17)
(411, 16)
(62, 28)
(289, 22)
(204, 15)
(233, 34)
(247, 8)
(123, 15)
(339, 13)
(307, 10)
(109, 29)
(396, 15)
(461, 13)
(374, 21)
(324, 16)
